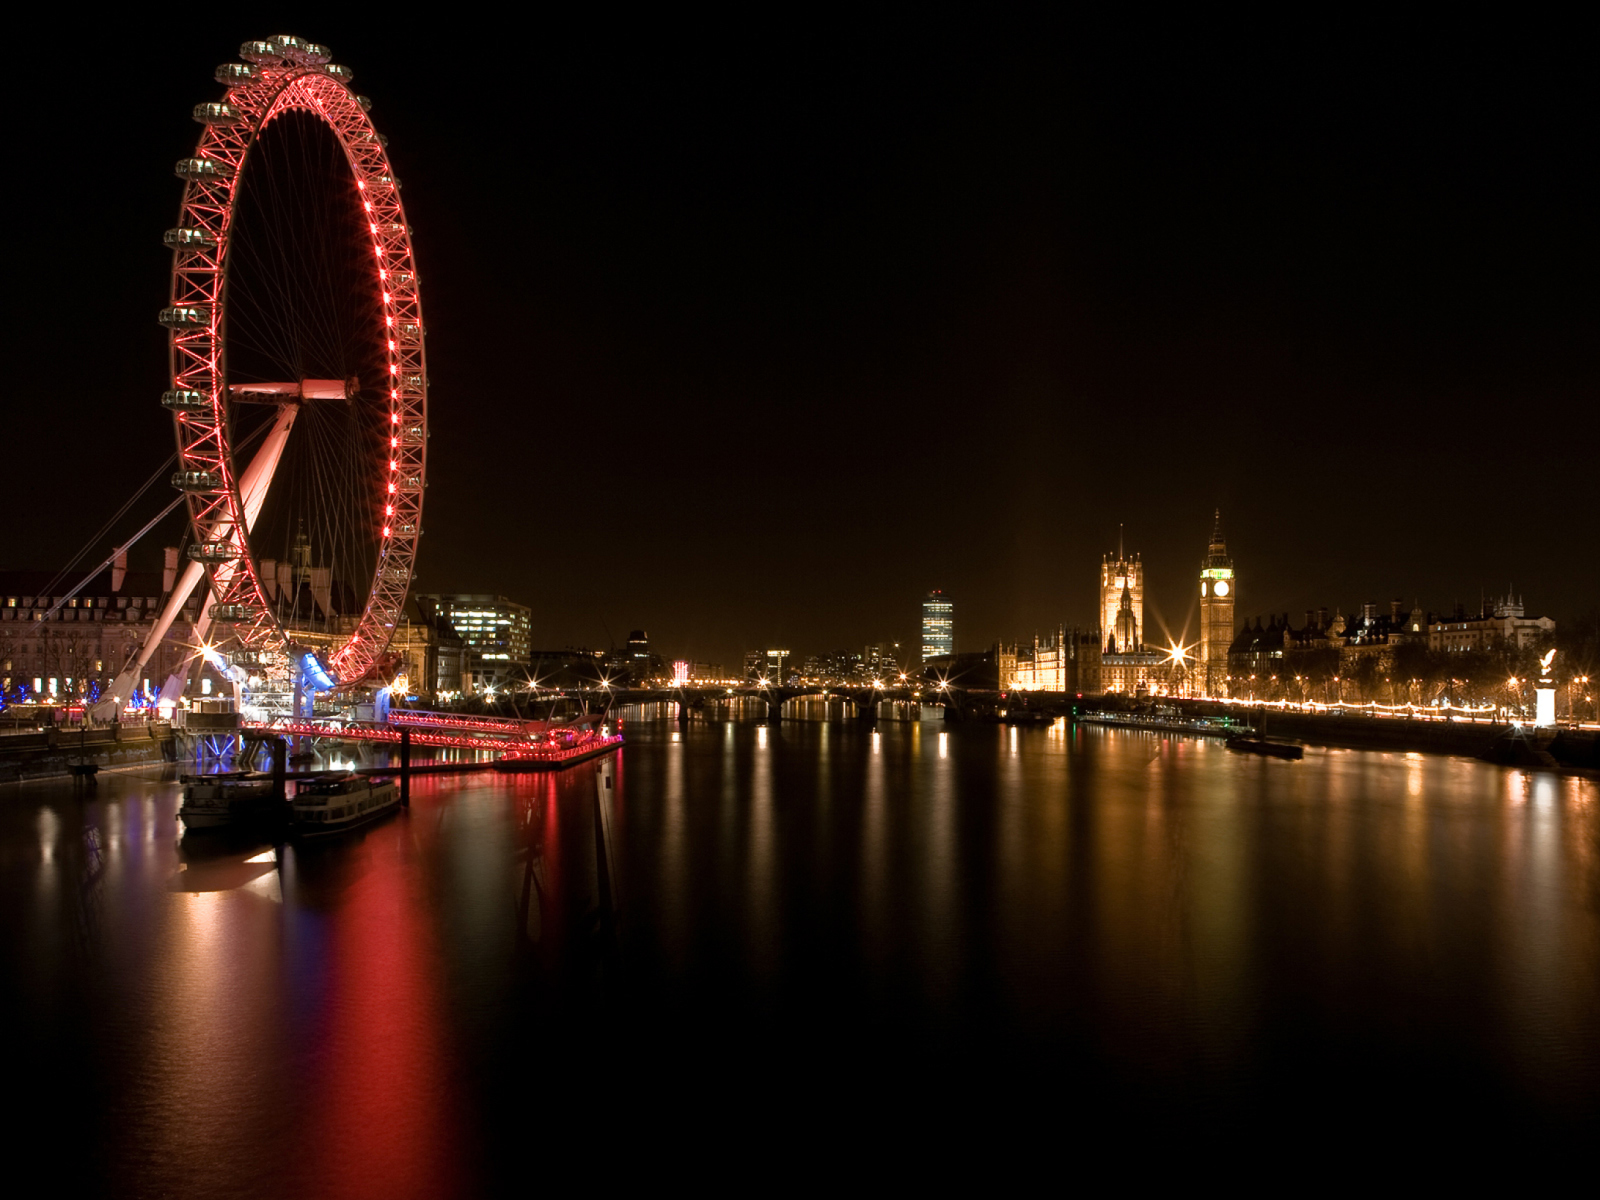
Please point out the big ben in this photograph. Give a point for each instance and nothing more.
(1216, 614)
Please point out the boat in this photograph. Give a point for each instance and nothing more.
(561, 746)
(1247, 744)
(1025, 716)
(229, 798)
(1166, 720)
(339, 802)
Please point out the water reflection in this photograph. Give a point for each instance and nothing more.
(1155, 924)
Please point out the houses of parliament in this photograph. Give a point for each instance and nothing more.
(1117, 656)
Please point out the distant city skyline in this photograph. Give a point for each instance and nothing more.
(1081, 292)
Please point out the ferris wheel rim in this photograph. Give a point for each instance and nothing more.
(259, 93)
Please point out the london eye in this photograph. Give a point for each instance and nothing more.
(298, 389)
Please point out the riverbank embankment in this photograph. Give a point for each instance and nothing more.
(1571, 749)
(53, 752)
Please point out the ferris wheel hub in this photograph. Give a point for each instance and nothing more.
(305, 389)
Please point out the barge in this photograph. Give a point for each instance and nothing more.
(1250, 744)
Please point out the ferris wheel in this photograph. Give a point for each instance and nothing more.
(298, 376)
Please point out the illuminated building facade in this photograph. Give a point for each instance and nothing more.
(1217, 595)
(1125, 665)
(433, 657)
(495, 630)
(1067, 662)
(1502, 624)
(1046, 666)
(765, 664)
(1137, 673)
(938, 625)
(74, 652)
(1118, 575)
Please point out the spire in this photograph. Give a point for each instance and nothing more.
(1217, 555)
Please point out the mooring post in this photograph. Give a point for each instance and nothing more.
(405, 768)
(280, 755)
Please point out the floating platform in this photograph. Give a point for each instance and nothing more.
(555, 757)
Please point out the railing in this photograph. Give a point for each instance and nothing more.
(417, 718)
(460, 741)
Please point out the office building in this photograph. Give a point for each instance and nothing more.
(938, 626)
(495, 630)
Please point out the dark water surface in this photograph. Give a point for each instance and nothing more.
(817, 939)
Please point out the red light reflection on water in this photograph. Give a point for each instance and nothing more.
(382, 1112)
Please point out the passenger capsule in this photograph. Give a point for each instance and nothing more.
(186, 316)
(268, 54)
(230, 613)
(212, 552)
(342, 73)
(189, 239)
(186, 400)
(408, 329)
(365, 102)
(298, 50)
(216, 114)
(385, 181)
(411, 383)
(201, 170)
(235, 73)
(197, 481)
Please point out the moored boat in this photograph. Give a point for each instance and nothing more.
(230, 799)
(341, 802)
(1258, 745)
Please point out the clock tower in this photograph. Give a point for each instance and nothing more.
(1216, 614)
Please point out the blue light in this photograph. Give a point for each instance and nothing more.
(311, 666)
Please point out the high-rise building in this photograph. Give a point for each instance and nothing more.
(766, 664)
(495, 630)
(938, 625)
(1216, 614)
(638, 661)
(1118, 575)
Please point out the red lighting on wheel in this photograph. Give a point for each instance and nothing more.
(200, 276)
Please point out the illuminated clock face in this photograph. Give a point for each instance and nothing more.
(1222, 587)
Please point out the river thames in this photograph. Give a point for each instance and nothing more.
(821, 939)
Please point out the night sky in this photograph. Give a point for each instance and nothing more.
(752, 335)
